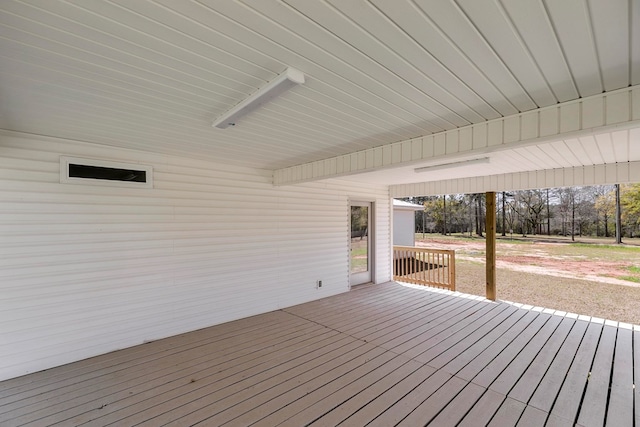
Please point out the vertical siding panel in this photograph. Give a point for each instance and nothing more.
(466, 139)
(406, 151)
(558, 179)
(340, 164)
(592, 113)
(599, 174)
(578, 176)
(635, 104)
(479, 136)
(362, 160)
(79, 264)
(396, 153)
(377, 157)
(611, 172)
(452, 142)
(511, 129)
(427, 147)
(549, 122)
(353, 162)
(622, 172)
(439, 144)
(634, 172)
(569, 177)
(617, 107)
(591, 172)
(387, 155)
(416, 149)
(529, 123)
(307, 171)
(330, 166)
(495, 132)
(570, 117)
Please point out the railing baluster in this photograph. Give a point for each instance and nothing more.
(424, 266)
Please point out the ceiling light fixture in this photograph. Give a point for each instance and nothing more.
(285, 81)
(453, 165)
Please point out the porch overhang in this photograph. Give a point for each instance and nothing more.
(594, 140)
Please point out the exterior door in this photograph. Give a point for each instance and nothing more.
(361, 259)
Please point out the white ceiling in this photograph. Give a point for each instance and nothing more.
(153, 75)
(603, 148)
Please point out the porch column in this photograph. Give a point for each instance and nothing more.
(491, 245)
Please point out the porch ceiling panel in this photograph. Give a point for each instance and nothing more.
(153, 75)
(584, 151)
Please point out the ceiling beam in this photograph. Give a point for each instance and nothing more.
(615, 173)
(610, 110)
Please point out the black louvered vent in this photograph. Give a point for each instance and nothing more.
(110, 174)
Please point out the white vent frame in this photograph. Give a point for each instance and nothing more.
(65, 161)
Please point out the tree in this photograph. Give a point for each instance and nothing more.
(605, 206)
(548, 214)
(478, 197)
(567, 206)
(534, 203)
(630, 206)
(444, 214)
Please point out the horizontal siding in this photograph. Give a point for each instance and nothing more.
(89, 269)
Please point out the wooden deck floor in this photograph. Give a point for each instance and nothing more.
(380, 355)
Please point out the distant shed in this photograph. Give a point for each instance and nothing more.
(404, 222)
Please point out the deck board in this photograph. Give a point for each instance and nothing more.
(380, 403)
(379, 355)
(409, 402)
(444, 336)
(341, 404)
(484, 409)
(508, 414)
(458, 407)
(567, 401)
(142, 368)
(553, 379)
(620, 407)
(522, 377)
(462, 340)
(532, 417)
(222, 375)
(493, 359)
(42, 382)
(594, 405)
(503, 371)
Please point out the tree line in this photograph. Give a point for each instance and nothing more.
(568, 211)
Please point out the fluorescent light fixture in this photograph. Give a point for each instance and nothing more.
(453, 165)
(285, 81)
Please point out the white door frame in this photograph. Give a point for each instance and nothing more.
(368, 276)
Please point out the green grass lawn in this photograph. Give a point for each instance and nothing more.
(358, 255)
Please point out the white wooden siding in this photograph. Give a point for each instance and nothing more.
(85, 270)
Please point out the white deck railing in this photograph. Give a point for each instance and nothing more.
(424, 266)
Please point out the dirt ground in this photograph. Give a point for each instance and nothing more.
(584, 280)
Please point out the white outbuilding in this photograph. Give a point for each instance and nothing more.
(404, 222)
